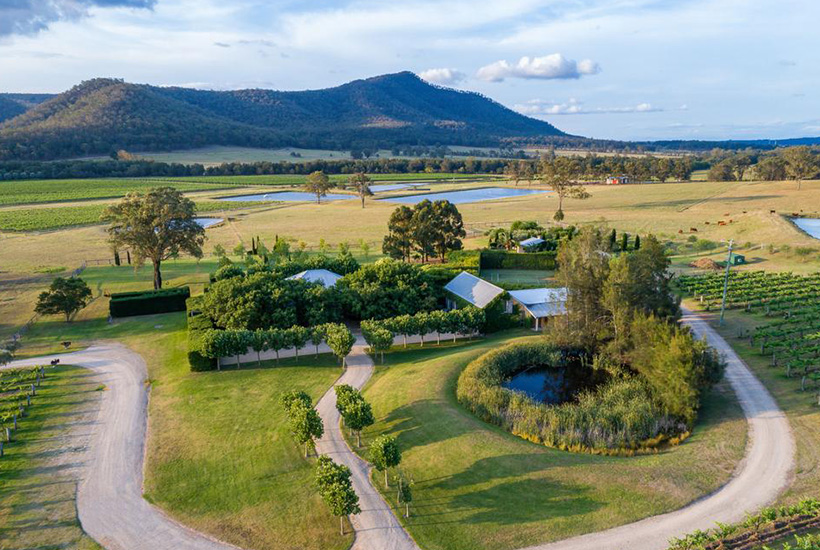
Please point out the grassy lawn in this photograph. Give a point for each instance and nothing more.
(38, 475)
(219, 456)
(533, 277)
(479, 487)
(800, 407)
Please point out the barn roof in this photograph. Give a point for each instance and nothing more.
(541, 302)
(477, 292)
(323, 276)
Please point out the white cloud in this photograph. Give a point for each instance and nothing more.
(548, 67)
(33, 16)
(443, 76)
(539, 107)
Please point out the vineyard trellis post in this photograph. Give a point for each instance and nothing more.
(726, 283)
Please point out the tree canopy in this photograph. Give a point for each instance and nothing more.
(156, 226)
(428, 229)
(64, 296)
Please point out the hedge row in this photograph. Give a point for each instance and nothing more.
(126, 304)
(198, 326)
(503, 259)
(215, 344)
(617, 418)
(379, 334)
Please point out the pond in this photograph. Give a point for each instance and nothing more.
(809, 225)
(549, 385)
(382, 187)
(208, 222)
(468, 195)
(289, 196)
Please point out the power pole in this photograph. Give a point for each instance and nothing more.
(726, 283)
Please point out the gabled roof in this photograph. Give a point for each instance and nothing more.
(323, 276)
(476, 291)
(532, 241)
(542, 302)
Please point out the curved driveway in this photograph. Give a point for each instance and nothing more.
(377, 528)
(761, 476)
(112, 510)
(109, 495)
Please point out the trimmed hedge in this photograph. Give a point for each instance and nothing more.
(503, 259)
(126, 304)
(198, 327)
(619, 417)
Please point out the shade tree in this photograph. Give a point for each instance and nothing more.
(65, 296)
(156, 226)
(385, 454)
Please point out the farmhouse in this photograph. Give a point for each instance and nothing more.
(617, 180)
(323, 276)
(538, 303)
(469, 288)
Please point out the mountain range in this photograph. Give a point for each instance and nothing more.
(104, 115)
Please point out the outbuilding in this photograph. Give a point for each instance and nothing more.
(539, 303)
(472, 290)
(531, 244)
(322, 276)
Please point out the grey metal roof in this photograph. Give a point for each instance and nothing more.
(541, 302)
(476, 291)
(323, 276)
(532, 241)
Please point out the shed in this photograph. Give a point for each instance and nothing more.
(738, 259)
(531, 243)
(539, 303)
(471, 289)
(322, 276)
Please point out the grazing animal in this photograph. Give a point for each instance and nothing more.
(55, 362)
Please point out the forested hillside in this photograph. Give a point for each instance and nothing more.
(103, 115)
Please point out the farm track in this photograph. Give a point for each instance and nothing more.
(762, 475)
(109, 494)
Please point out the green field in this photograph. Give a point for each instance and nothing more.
(479, 487)
(37, 191)
(41, 219)
(37, 481)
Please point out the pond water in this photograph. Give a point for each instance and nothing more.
(809, 225)
(208, 222)
(468, 195)
(382, 187)
(289, 196)
(550, 385)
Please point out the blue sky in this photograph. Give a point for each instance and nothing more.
(620, 69)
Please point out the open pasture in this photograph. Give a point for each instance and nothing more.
(477, 486)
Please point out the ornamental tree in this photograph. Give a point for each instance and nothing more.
(64, 296)
(294, 398)
(305, 424)
(156, 226)
(340, 341)
(336, 489)
(384, 454)
(358, 415)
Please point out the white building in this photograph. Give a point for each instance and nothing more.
(471, 289)
(323, 276)
(539, 303)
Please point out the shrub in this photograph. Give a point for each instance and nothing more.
(125, 304)
(198, 325)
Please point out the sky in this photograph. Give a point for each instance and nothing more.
(609, 69)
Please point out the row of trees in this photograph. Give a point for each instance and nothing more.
(379, 334)
(233, 343)
(428, 229)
